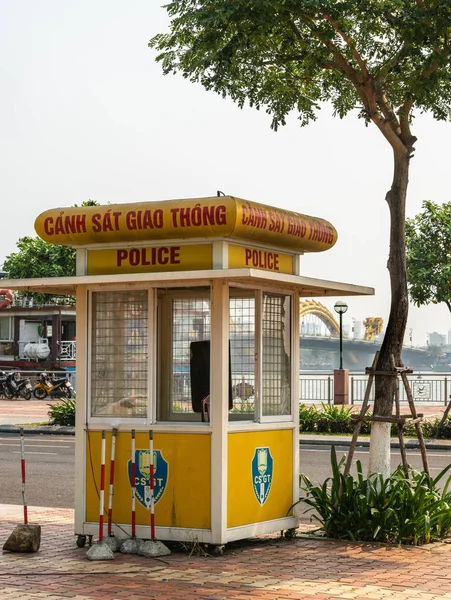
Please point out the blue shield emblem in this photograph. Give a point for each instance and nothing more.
(262, 473)
(142, 476)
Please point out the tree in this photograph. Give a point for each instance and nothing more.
(381, 58)
(428, 240)
(37, 258)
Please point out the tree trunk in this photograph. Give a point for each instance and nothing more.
(379, 460)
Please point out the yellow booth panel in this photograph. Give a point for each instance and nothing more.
(260, 476)
(182, 478)
(254, 258)
(148, 259)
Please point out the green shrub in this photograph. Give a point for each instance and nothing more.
(329, 419)
(395, 510)
(435, 431)
(338, 418)
(62, 412)
(307, 417)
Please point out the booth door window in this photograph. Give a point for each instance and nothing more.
(242, 355)
(190, 325)
(119, 354)
(276, 355)
(183, 328)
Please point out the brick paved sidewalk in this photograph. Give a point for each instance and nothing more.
(24, 411)
(33, 411)
(266, 568)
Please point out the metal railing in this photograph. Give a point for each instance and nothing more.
(67, 350)
(22, 301)
(316, 389)
(433, 388)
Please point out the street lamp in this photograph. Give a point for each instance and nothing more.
(341, 307)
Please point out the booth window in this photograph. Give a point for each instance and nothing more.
(190, 323)
(276, 355)
(119, 354)
(242, 356)
(184, 327)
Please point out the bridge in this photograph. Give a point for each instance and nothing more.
(321, 350)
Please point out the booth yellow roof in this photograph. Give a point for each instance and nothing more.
(213, 217)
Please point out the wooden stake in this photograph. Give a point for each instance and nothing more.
(363, 410)
(445, 414)
(402, 446)
(417, 424)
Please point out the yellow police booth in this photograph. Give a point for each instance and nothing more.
(188, 326)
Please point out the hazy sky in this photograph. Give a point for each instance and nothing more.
(85, 112)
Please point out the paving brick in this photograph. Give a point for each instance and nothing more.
(262, 569)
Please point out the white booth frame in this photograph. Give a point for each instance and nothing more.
(219, 425)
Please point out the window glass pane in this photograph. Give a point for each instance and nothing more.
(5, 329)
(119, 354)
(190, 323)
(276, 359)
(242, 353)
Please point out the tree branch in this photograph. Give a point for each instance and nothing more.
(342, 63)
(347, 40)
(366, 91)
(395, 60)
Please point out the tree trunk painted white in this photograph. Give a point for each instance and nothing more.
(392, 345)
(379, 459)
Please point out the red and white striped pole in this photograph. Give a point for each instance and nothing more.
(22, 463)
(110, 496)
(133, 485)
(152, 485)
(102, 486)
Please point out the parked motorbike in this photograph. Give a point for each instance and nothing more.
(59, 387)
(24, 386)
(8, 386)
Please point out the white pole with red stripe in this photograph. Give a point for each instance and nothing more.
(102, 486)
(22, 463)
(152, 485)
(133, 485)
(111, 488)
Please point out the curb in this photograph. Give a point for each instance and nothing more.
(412, 444)
(38, 429)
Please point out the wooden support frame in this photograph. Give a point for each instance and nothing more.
(400, 420)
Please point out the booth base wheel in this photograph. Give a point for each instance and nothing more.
(290, 534)
(216, 549)
(81, 540)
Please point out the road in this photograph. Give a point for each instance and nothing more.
(315, 460)
(50, 472)
(50, 477)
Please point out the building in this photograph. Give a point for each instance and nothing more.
(436, 339)
(36, 337)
